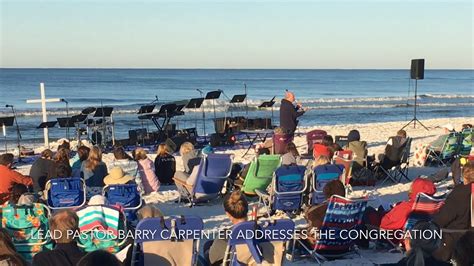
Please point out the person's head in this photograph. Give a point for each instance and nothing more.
(64, 144)
(83, 153)
(421, 185)
(236, 206)
(263, 151)
(8, 250)
(291, 147)
(353, 135)
(65, 223)
(448, 128)
(426, 241)
(120, 154)
(327, 140)
(6, 159)
(464, 250)
(334, 187)
(94, 158)
(99, 257)
(149, 211)
(278, 131)
(402, 133)
(47, 154)
(468, 173)
(289, 96)
(186, 148)
(466, 126)
(162, 150)
(63, 170)
(62, 155)
(139, 154)
(321, 160)
(97, 200)
(16, 191)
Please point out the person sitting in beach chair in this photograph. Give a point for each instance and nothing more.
(422, 150)
(76, 162)
(93, 171)
(456, 213)
(243, 172)
(327, 147)
(190, 158)
(146, 169)
(39, 170)
(60, 161)
(66, 252)
(396, 218)
(128, 165)
(236, 209)
(314, 215)
(291, 156)
(361, 175)
(393, 150)
(9, 177)
(165, 165)
(260, 173)
(207, 180)
(8, 252)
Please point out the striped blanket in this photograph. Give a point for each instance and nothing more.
(100, 218)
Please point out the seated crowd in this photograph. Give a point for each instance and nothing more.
(454, 216)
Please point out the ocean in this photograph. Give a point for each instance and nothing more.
(334, 96)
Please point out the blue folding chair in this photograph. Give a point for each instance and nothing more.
(213, 172)
(125, 195)
(251, 243)
(323, 174)
(170, 241)
(64, 193)
(286, 193)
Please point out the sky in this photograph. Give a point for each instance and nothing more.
(383, 34)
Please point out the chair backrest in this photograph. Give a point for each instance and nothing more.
(313, 137)
(262, 243)
(212, 174)
(347, 169)
(341, 140)
(324, 174)
(345, 154)
(289, 185)
(342, 216)
(65, 193)
(260, 173)
(450, 146)
(466, 142)
(406, 151)
(126, 195)
(423, 209)
(280, 141)
(472, 205)
(168, 241)
(27, 225)
(102, 227)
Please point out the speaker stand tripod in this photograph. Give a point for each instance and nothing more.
(414, 120)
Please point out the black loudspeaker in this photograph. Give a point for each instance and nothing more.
(417, 69)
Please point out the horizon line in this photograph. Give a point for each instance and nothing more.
(215, 68)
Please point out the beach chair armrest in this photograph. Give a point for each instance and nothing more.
(182, 183)
(261, 193)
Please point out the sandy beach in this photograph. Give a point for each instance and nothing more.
(375, 134)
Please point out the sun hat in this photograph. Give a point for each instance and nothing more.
(117, 176)
(449, 127)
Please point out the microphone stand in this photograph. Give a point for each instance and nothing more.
(18, 134)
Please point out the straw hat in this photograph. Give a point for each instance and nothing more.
(117, 176)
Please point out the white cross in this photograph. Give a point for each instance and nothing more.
(43, 102)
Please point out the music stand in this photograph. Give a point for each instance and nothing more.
(88, 110)
(103, 111)
(268, 104)
(49, 124)
(238, 98)
(146, 109)
(6, 122)
(66, 122)
(213, 95)
(196, 103)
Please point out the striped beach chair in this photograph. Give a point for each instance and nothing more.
(342, 216)
(423, 209)
(448, 151)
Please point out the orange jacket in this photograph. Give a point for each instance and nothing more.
(8, 177)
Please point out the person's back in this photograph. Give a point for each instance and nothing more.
(9, 177)
(39, 170)
(455, 213)
(394, 148)
(165, 167)
(146, 169)
(95, 177)
(66, 252)
(359, 151)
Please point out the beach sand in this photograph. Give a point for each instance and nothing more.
(376, 135)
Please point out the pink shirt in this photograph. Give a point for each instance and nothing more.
(150, 182)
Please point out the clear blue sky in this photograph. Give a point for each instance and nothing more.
(239, 34)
